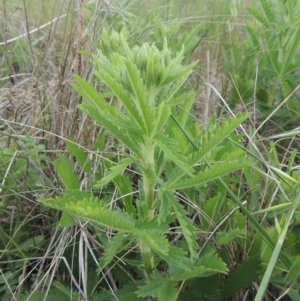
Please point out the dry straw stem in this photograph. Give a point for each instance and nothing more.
(52, 106)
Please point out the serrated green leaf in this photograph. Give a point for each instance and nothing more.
(209, 138)
(89, 93)
(162, 113)
(125, 187)
(114, 171)
(177, 258)
(170, 148)
(208, 265)
(124, 97)
(65, 171)
(65, 221)
(187, 228)
(266, 5)
(126, 293)
(168, 291)
(93, 210)
(118, 243)
(77, 151)
(120, 134)
(99, 144)
(226, 237)
(242, 276)
(155, 241)
(258, 16)
(209, 174)
(141, 96)
(151, 287)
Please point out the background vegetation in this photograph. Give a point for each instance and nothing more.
(87, 211)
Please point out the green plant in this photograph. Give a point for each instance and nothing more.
(149, 116)
(264, 68)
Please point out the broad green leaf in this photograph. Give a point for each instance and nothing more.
(99, 144)
(77, 151)
(126, 293)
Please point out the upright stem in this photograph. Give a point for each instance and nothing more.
(148, 186)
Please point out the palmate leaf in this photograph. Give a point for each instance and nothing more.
(217, 170)
(94, 210)
(208, 265)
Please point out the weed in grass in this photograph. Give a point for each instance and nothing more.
(40, 260)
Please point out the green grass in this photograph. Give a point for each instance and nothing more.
(245, 222)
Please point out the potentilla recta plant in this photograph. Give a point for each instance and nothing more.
(150, 115)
